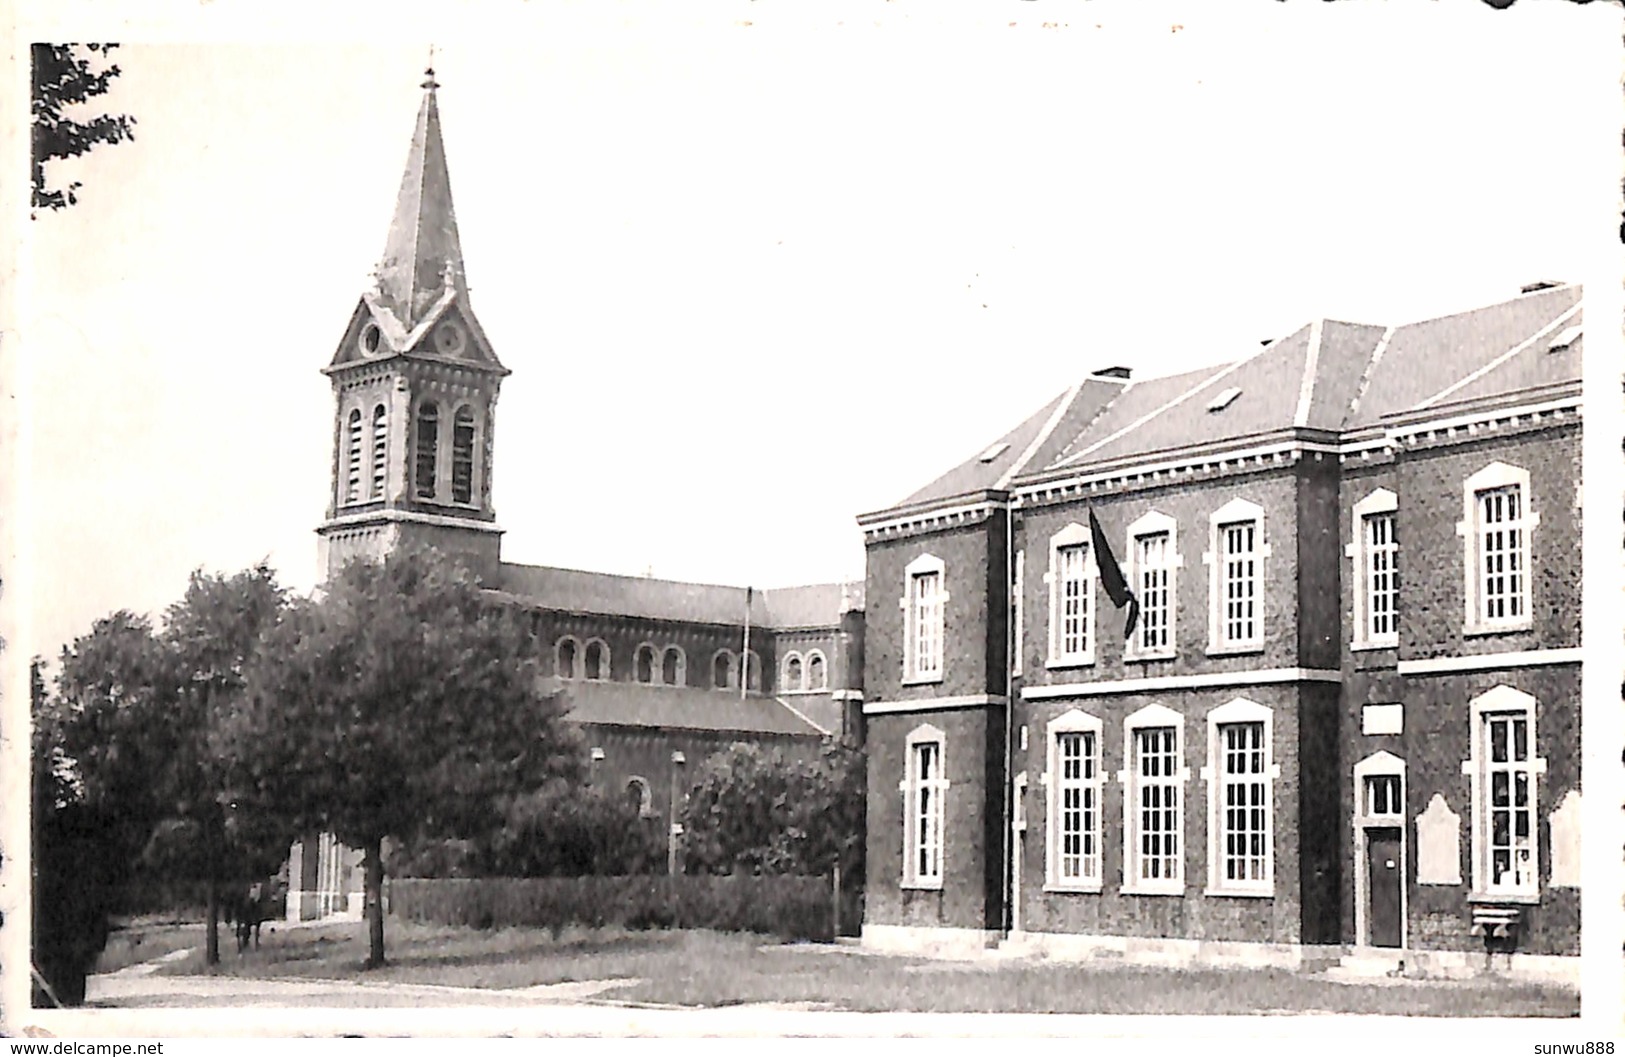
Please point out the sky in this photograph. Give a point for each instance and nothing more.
(755, 271)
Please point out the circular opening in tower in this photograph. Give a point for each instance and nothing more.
(448, 338)
(371, 339)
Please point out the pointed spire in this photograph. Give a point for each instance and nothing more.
(422, 255)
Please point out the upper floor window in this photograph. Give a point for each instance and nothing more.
(1154, 814)
(1074, 782)
(380, 449)
(565, 657)
(924, 605)
(462, 456)
(1153, 567)
(428, 447)
(1241, 773)
(925, 787)
(1018, 582)
(724, 673)
(1071, 591)
(1375, 554)
(794, 679)
(753, 671)
(352, 484)
(674, 666)
(596, 656)
(1504, 770)
(643, 664)
(817, 676)
(1236, 560)
(1497, 528)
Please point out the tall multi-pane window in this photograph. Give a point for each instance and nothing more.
(1156, 857)
(1381, 577)
(462, 457)
(352, 485)
(1510, 780)
(1502, 554)
(1077, 828)
(1498, 527)
(924, 605)
(1151, 564)
(1244, 802)
(1074, 608)
(380, 449)
(428, 449)
(1238, 549)
(925, 787)
(1506, 772)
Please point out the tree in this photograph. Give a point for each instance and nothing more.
(764, 811)
(64, 79)
(404, 704)
(209, 636)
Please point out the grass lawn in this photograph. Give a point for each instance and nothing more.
(719, 969)
(143, 939)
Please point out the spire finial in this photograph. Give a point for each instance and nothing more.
(429, 83)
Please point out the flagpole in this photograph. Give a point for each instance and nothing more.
(744, 657)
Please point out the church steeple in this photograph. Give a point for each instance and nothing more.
(422, 255)
(415, 382)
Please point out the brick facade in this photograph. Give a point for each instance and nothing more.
(1417, 411)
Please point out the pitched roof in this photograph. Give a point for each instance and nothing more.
(681, 707)
(1328, 376)
(1440, 360)
(612, 594)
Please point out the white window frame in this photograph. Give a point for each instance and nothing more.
(656, 655)
(353, 489)
(1494, 476)
(1380, 503)
(1017, 607)
(681, 670)
(1235, 512)
(731, 679)
(1238, 711)
(578, 668)
(823, 667)
(1151, 524)
(919, 569)
(1091, 789)
(786, 684)
(911, 787)
(1152, 717)
(1502, 701)
(752, 672)
(607, 672)
(1073, 535)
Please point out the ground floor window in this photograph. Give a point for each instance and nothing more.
(924, 790)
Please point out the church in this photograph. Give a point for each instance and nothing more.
(1270, 663)
(658, 674)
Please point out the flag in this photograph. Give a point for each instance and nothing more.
(1111, 576)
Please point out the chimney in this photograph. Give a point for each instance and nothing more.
(1120, 373)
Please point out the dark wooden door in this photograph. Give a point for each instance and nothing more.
(1384, 890)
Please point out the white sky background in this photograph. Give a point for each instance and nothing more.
(753, 280)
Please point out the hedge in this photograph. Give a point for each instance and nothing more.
(794, 908)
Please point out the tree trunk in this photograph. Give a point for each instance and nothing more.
(211, 940)
(373, 867)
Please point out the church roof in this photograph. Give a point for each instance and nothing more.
(422, 253)
(681, 707)
(612, 594)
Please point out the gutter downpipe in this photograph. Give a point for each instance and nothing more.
(1010, 893)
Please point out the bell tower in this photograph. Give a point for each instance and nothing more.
(415, 385)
